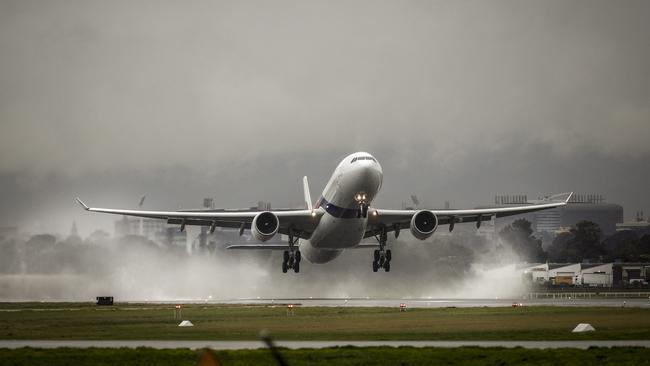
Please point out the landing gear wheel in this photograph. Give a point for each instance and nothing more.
(296, 267)
(285, 256)
(284, 267)
(298, 256)
(381, 256)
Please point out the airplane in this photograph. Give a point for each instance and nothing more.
(341, 218)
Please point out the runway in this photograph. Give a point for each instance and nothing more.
(444, 303)
(235, 345)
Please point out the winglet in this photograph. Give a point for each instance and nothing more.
(305, 187)
(562, 197)
(79, 201)
(569, 197)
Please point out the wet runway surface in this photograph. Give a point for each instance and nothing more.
(445, 303)
(234, 345)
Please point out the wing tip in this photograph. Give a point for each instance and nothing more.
(568, 197)
(561, 198)
(79, 201)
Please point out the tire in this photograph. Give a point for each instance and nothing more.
(389, 255)
(296, 267)
(298, 256)
(375, 266)
(376, 255)
(387, 266)
(284, 267)
(285, 256)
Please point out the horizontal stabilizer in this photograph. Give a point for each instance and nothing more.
(366, 246)
(259, 246)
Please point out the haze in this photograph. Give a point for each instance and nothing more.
(237, 100)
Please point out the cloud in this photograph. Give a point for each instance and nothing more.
(91, 85)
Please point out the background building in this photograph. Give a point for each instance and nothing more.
(581, 207)
(589, 274)
(153, 229)
(639, 225)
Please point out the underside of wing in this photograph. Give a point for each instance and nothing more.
(395, 220)
(298, 223)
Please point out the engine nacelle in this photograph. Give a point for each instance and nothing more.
(423, 224)
(264, 226)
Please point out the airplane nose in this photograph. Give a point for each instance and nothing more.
(373, 176)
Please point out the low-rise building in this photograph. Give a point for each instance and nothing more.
(597, 275)
(564, 274)
(588, 274)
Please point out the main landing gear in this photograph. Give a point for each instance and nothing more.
(291, 258)
(381, 256)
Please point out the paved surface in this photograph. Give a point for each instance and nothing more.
(395, 302)
(233, 345)
(443, 303)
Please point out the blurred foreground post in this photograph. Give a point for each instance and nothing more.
(209, 359)
(274, 351)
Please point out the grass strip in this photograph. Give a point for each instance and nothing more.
(218, 322)
(331, 356)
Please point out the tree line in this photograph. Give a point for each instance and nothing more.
(583, 242)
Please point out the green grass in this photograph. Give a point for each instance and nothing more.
(330, 356)
(62, 321)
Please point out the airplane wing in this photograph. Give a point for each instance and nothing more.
(301, 223)
(394, 220)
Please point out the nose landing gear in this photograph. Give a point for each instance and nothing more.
(363, 211)
(382, 256)
(362, 200)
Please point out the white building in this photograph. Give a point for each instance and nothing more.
(538, 273)
(597, 275)
(564, 274)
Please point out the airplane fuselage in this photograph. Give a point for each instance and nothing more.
(348, 193)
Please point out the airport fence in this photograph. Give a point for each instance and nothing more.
(589, 295)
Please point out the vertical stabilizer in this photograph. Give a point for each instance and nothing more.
(305, 187)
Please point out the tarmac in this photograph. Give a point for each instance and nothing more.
(235, 345)
(445, 303)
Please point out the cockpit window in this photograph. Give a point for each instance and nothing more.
(353, 160)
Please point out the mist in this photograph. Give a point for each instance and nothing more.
(132, 268)
(458, 101)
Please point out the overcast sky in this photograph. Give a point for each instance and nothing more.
(459, 101)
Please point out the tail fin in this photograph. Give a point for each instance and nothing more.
(305, 187)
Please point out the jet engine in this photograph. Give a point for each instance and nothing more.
(265, 225)
(423, 224)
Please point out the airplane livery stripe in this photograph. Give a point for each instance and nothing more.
(336, 211)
